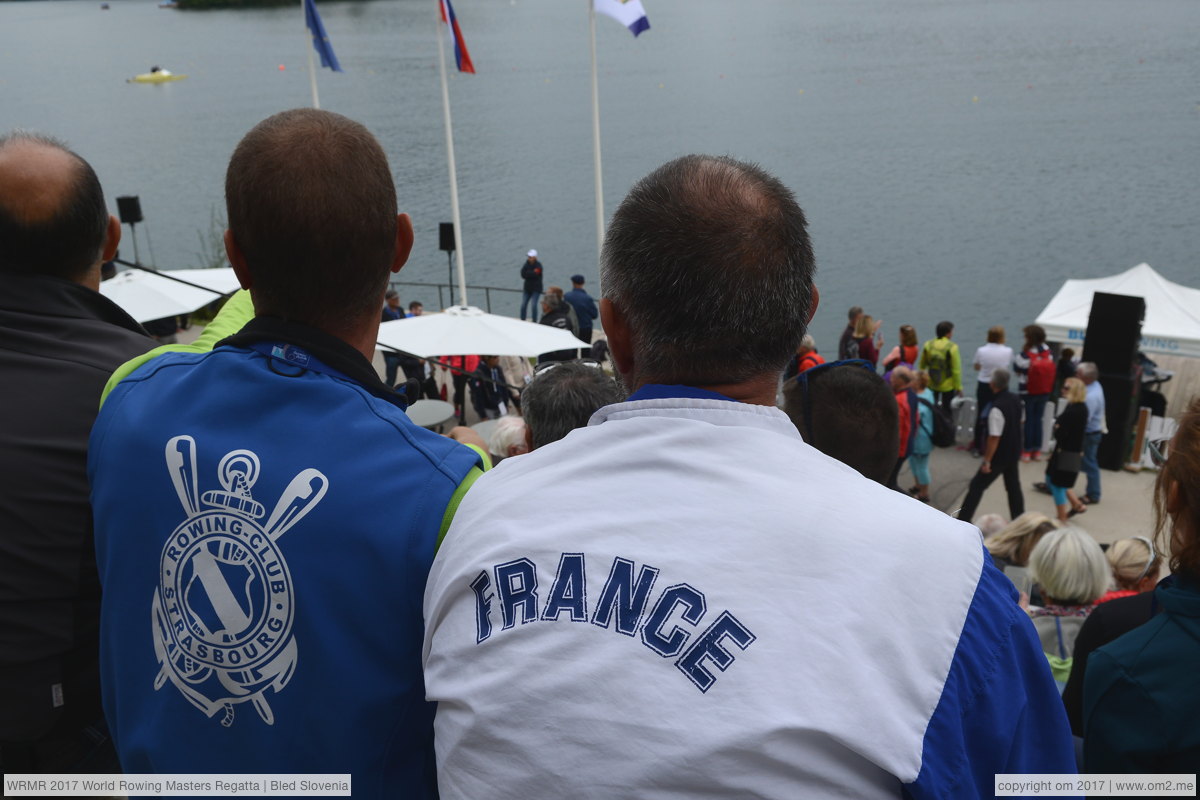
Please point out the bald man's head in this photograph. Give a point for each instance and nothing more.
(53, 220)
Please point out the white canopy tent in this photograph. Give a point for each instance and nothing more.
(1172, 323)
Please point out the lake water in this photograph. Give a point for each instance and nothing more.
(956, 158)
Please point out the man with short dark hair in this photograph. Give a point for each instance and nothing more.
(1002, 453)
(391, 359)
(848, 413)
(844, 349)
(941, 359)
(585, 307)
(562, 397)
(687, 612)
(266, 512)
(61, 340)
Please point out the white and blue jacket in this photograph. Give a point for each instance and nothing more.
(730, 614)
(266, 515)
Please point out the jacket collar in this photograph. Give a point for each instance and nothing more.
(58, 297)
(326, 348)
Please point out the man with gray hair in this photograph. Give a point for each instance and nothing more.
(683, 626)
(1094, 432)
(1002, 452)
(562, 396)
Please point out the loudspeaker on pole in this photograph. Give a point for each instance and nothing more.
(446, 236)
(129, 208)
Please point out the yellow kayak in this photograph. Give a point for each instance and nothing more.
(162, 76)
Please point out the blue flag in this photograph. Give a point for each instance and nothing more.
(320, 37)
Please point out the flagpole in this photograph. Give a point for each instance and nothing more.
(596, 139)
(312, 67)
(454, 215)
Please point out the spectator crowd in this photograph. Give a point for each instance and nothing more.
(684, 567)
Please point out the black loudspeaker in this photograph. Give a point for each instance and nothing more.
(130, 209)
(446, 236)
(1114, 332)
(1121, 394)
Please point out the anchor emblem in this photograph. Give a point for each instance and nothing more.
(223, 611)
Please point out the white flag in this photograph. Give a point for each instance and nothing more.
(627, 12)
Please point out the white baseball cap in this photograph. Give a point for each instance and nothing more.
(532, 254)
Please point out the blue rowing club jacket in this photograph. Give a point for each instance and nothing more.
(266, 515)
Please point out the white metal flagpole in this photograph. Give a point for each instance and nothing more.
(312, 67)
(596, 139)
(454, 215)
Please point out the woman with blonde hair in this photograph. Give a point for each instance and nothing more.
(1135, 566)
(1067, 459)
(1141, 698)
(868, 338)
(1013, 544)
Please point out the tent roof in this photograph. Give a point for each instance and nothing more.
(1172, 323)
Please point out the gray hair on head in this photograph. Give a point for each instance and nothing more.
(1001, 379)
(509, 431)
(808, 342)
(702, 233)
(563, 397)
(1087, 372)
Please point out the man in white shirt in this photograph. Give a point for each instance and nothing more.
(995, 354)
(693, 627)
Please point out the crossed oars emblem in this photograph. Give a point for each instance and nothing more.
(238, 472)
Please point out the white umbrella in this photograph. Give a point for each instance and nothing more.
(466, 330)
(219, 279)
(147, 296)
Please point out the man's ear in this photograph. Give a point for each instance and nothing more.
(620, 339)
(528, 439)
(816, 301)
(237, 260)
(112, 238)
(404, 241)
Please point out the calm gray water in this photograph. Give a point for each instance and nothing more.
(956, 158)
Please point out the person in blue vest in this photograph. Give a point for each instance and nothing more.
(584, 305)
(1002, 451)
(266, 514)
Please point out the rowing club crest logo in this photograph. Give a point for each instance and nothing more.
(223, 610)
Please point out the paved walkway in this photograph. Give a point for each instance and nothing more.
(1126, 508)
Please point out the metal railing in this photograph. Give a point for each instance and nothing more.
(449, 291)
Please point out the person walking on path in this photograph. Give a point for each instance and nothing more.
(1036, 373)
(699, 523)
(993, 355)
(940, 358)
(531, 272)
(1065, 462)
(585, 307)
(1094, 432)
(1002, 454)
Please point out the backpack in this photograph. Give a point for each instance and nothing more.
(937, 362)
(1042, 369)
(943, 431)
